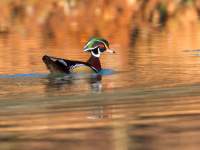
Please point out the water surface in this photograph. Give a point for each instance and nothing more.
(148, 99)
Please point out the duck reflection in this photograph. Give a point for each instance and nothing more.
(76, 84)
(73, 83)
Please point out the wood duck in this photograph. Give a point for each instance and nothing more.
(95, 46)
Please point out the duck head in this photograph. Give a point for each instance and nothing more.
(96, 46)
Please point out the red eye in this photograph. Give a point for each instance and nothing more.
(101, 46)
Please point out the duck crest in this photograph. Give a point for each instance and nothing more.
(94, 62)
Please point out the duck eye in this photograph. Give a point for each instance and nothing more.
(102, 48)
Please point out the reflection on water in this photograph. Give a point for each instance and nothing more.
(68, 82)
(147, 99)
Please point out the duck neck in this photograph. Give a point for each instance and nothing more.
(94, 62)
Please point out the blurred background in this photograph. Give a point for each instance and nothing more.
(62, 27)
(149, 100)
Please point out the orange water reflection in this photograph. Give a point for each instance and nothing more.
(152, 102)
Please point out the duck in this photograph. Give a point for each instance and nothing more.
(95, 46)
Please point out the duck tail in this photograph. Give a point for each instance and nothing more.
(53, 64)
(46, 59)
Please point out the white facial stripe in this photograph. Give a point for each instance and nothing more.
(90, 49)
(96, 55)
(95, 47)
(87, 44)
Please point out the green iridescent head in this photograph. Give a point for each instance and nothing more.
(97, 46)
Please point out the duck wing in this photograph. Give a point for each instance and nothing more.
(59, 65)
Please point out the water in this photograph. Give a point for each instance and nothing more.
(148, 98)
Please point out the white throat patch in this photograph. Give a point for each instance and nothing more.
(96, 55)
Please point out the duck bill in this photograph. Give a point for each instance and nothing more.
(110, 51)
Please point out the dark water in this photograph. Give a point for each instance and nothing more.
(148, 98)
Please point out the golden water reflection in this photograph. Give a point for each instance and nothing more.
(151, 102)
(129, 120)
